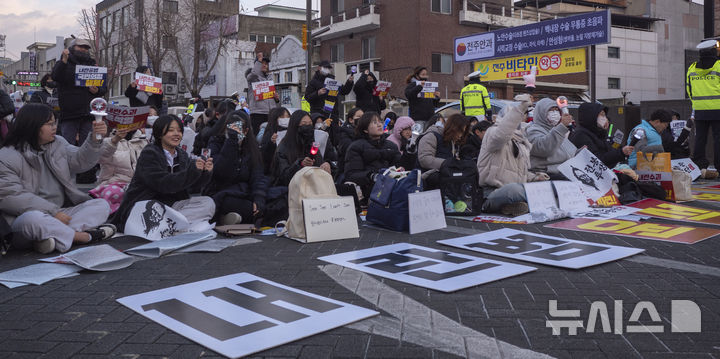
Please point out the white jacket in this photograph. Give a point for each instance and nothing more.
(118, 163)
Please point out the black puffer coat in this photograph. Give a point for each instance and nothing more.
(74, 100)
(595, 138)
(365, 99)
(366, 157)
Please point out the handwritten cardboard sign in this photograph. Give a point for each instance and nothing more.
(661, 209)
(127, 118)
(382, 88)
(594, 177)
(686, 165)
(540, 196)
(618, 227)
(426, 211)
(263, 90)
(148, 83)
(428, 90)
(570, 197)
(329, 218)
(86, 76)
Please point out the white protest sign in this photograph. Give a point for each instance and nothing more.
(332, 86)
(263, 90)
(605, 212)
(594, 177)
(426, 211)
(539, 248)
(329, 218)
(540, 196)
(570, 197)
(686, 165)
(240, 314)
(676, 128)
(154, 220)
(40, 273)
(148, 83)
(427, 267)
(428, 90)
(86, 76)
(618, 137)
(166, 245)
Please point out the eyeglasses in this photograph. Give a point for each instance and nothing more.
(53, 123)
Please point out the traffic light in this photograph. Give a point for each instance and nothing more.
(14, 82)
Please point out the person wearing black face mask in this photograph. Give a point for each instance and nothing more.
(318, 96)
(47, 90)
(74, 101)
(294, 151)
(364, 88)
(421, 109)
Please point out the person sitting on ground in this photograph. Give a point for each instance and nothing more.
(651, 141)
(294, 151)
(473, 144)
(441, 145)
(504, 162)
(402, 137)
(548, 134)
(142, 98)
(117, 166)
(345, 135)
(678, 147)
(238, 184)
(369, 153)
(38, 198)
(166, 173)
(389, 122)
(278, 120)
(592, 133)
(203, 137)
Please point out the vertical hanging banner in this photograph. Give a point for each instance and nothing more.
(263, 90)
(86, 76)
(240, 314)
(148, 83)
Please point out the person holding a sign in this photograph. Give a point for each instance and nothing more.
(421, 108)
(38, 198)
(166, 173)
(504, 162)
(259, 109)
(678, 147)
(297, 150)
(548, 134)
(592, 133)
(321, 99)
(652, 141)
(138, 94)
(365, 96)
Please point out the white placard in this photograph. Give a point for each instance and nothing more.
(428, 90)
(676, 128)
(329, 218)
(153, 220)
(426, 211)
(540, 196)
(570, 197)
(240, 314)
(427, 267)
(539, 248)
(594, 177)
(605, 212)
(39, 273)
(332, 85)
(102, 257)
(164, 246)
(686, 165)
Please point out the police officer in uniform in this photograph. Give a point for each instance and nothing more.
(703, 88)
(474, 98)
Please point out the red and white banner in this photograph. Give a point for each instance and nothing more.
(148, 83)
(127, 118)
(263, 90)
(382, 88)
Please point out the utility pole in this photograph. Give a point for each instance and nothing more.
(308, 60)
(709, 14)
(140, 14)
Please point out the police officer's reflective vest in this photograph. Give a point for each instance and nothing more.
(475, 100)
(190, 109)
(703, 87)
(304, 105)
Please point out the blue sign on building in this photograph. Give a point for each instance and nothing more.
(581, 30)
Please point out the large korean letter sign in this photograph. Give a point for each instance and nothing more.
(427, 267)
(581, 30)
(538, 248)
(241, 314)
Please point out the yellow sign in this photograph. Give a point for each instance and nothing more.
(548, 63)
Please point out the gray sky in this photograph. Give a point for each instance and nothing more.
(28, 21)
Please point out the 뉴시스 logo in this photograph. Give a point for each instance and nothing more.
(461, 48)
(685, 317)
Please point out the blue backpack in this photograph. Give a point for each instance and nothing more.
(388, 203)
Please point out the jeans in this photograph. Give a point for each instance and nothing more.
(76, 130)
(509, 193)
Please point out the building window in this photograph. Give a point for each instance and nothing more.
(170, 6)
(337, 53)
(276, 78)
(337, 6)
(277, 39)
(368, 47)
(253, 37)
(168, 42)
(613, 52)
(116, 19)
(441, 6)
(613, 83)
(442, 63)
(127, 15)
(288, 76)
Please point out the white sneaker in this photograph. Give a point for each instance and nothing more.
(230, 218)
(44, 246)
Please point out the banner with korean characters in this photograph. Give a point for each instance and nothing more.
(87, 76)
(263, 90)
(617, 227)
(547, 63)
(148, 83)
(127, 118)
(428, 90)
(661, 209)
(382, 88)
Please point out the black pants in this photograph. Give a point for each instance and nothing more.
(257, 119)
(702, 127)
(238, 205)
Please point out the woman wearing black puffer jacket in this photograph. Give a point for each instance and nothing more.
(364, 88)
(369, 154)
(592, 133)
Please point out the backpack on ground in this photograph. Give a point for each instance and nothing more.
(309, 182)
(388, 203)
(461, 194)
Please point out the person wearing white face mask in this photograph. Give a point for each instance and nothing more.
(592, 133)
(548, 135)
(278, 120)
(321, 100)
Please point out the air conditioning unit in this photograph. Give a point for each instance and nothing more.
(182, 88)
(170, 89)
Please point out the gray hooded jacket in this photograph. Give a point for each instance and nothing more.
(550, 145)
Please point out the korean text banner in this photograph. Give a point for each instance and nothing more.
(148, 83)
(547, 63)
(581, 30)
(86, 76)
